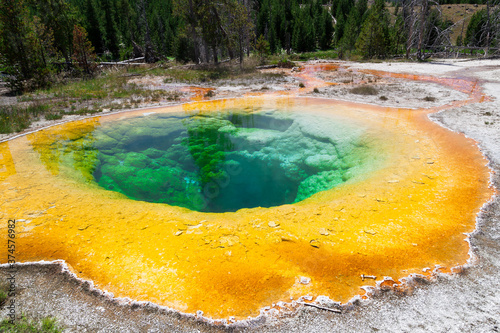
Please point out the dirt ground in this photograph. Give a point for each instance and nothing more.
(465, 302)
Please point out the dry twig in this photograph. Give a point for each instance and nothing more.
(320, 307)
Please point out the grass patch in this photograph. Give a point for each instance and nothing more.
(429, 99)
(285, 63)
(316, 90)
(15, 118)
(25, 325)
(328, 54)
(53, 116)
(4, 290)
(111, 86)
(192, 76)
(383, 98)
(301, 85)
(364, 90)
(79, 97)
(208, 73)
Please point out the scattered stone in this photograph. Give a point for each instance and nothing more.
(178, 233)
(324, 232)
(273, 224)
(314, 243)
(304, 280)
(326, 301)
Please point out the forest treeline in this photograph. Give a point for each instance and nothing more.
(39, 37)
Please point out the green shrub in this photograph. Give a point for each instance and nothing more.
(210, 93)
(364, 90)
(18, 118)
(25, 325)
(3, 295)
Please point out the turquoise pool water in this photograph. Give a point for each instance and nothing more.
(225, 161)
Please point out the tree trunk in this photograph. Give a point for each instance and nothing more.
(488, 28)
(423, 18)
(241, 50)
(409, 20)
(214, 50)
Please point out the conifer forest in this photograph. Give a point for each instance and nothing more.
(40, 37)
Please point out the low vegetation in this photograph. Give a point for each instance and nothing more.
(364, 90)
(112, 90)
(26, 325)
(4, 288)
(16, 118)
(208, 73)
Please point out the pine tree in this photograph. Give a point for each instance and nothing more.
(262, 47)
(325, 39)
(374, 39)
(476, 32)
(84, 56)
(93, 24)
(26, 48)
(351, 30)
(112, 36)
(303, 32)
(59, 17)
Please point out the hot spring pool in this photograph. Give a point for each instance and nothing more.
(229, 206)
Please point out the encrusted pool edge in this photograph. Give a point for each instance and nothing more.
(269, 313)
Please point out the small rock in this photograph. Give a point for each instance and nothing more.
(273, 224)
(325, 301)
(324, 232)
(314, 243)
(304, 280)
(178, 233)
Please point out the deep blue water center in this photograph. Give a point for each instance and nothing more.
(224, 161)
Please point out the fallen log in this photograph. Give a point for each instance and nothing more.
(266, 66)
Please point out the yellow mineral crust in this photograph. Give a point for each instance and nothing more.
(410, 214)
